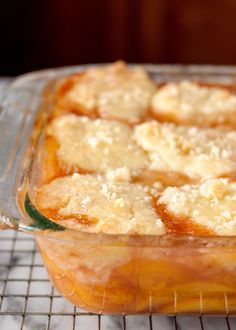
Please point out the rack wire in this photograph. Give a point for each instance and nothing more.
(28, 300)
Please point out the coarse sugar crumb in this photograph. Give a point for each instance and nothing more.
(187, 101)
(211, 203)
(96, 145)
(195, 152)
(115, 204)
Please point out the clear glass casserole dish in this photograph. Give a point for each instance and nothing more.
(105, 273)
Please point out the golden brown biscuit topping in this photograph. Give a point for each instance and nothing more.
(188, 102)
(117, 166)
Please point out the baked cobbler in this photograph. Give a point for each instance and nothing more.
(95, 145)
(114, 92)
(188, 102)
(109, 163)
(193, 151)
(211, 204)
(104, 205)
(121, 154)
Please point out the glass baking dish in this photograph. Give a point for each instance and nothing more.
(102, 273)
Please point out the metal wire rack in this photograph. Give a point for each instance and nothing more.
(28, 301)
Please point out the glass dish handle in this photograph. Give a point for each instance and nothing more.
(6, 223)
(20, 105)
(18, 108)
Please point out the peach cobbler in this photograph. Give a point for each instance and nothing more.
(120, 155)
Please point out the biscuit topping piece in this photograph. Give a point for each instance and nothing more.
(96, 145)
(188, 102)
(196, 152)
(119, 207)
(211, 204)
(115, 91)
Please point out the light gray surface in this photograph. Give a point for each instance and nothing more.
(22, 295)
(3, 84)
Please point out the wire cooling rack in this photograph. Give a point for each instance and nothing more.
(29, 302)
